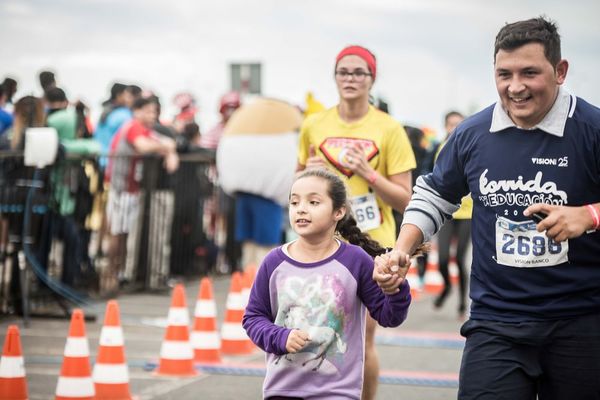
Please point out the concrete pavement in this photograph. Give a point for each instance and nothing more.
(419, 360)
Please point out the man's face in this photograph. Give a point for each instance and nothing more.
(126, 99)
(452, 122)
(527, 83)
(147, 115)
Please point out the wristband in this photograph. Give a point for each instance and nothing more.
(372, 178)
(595, 216)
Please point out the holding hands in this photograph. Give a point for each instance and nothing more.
(390, 271)
(296, 340)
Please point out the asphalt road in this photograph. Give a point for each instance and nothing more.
(419, 360)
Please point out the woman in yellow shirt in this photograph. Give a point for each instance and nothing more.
(371, 151)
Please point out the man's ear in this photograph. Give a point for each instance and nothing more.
(561, 71)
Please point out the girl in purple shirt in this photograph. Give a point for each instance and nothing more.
(308, 305)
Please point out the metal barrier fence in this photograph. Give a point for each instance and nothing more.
(56, 239)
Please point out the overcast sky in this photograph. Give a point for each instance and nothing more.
(432, 55)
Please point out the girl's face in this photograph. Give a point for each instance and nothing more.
(350, 87)
(311, 209)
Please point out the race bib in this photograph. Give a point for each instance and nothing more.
(366, 212)
(518, 244)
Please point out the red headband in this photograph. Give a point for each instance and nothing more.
(362, 53)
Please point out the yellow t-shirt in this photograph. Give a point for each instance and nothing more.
(384, 142)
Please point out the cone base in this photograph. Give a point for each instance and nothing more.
(207, 356)
(176, 368)
(434, 289)
(13, 389)
(118, 391)
(237, 347)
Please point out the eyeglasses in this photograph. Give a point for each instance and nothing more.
(358, 75)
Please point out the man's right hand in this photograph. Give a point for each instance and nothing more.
(390, 271)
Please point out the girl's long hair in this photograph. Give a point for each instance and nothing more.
(347, 226)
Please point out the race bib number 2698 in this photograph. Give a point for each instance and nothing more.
(519, 244)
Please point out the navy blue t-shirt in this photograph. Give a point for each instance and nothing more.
(519, 274)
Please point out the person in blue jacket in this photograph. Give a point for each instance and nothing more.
(531, 162)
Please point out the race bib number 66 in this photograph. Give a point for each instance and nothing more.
(518, 244)
(366, 212)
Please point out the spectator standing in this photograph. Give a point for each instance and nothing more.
(456, 230)
(123, 208)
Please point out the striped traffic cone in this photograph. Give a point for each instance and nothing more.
(247, 280)
(412, 276)
(75, 380)
(453, 271)
(251, 270)
(234, 339)
(13, 385)
(111, 374)
(205, 338)
(176, 355)
(434, 282)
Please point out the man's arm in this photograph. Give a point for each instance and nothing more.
(146, 145)
(163, 146)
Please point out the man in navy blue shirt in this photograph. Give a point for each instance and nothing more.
(532, 165)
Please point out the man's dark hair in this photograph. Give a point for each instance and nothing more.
(415, 135)
(10, 88)
(47, 80)
(535, 30)
(116, 90)
(451, 114)
(135, 90)
(55, 95)
(142, 102)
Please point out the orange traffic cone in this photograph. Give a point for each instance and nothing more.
(434, 282)
(205, 338)
(251, 270)
(247, 280)
(412, 276)
(13, 385)
(111, 375)
(176, 355)
(453, 271)
(75, 380)
(234, 339)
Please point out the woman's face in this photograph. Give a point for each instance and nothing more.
(351, 88)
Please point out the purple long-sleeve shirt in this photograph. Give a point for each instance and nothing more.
(328, 299)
